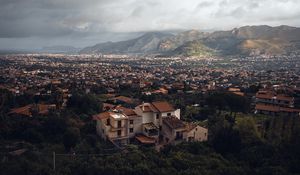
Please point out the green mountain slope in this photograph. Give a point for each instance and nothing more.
(194, 48)
(244, 40)
(173, 42)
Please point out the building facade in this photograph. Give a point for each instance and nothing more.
(148, 123)
(271, 103)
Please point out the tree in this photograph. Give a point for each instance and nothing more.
(71, 137)
(32, 136)
(227, 140)
(224, 100)
(236, 103)
(84, 104)
(53, 127)
(248, 131)
(216, 100)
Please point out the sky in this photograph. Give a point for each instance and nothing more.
(31, 24)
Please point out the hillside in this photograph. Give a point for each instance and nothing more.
(256, 46)
(146, 43)
(244, 40)
(173, 42)
(194, 48)
(254, 40)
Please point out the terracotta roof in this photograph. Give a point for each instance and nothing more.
(284, 97)
(232, 89)
(239, 93)
(44, 109)
(103, 115)
(270, 96)
(126, 111)
(145, 140)
(163, 106)
(26, 110)
(190, 126)
(264, 96)
(18, 152)
(273, 108)
(109, 95)
(173, 122)
(161, 90)
(124, 99)
(147, 107)
(264, 107)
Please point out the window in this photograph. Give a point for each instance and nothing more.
(119, 133)
(168, 114)
(131, 130)
(119, 124)
(179, 135)
(157, 116)
(108, 121)
(131, 122)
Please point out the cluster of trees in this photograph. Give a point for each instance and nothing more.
(200, 107)
(235, 146)
(82, 103)
(228, 101)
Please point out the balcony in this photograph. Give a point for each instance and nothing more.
(150, 130)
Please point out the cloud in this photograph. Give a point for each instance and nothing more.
(205, 4)
(97, 20)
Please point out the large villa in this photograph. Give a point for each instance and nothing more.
(156, 123)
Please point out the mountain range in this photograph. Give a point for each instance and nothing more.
(247, 40)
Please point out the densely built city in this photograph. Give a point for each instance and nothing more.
(149, 102)
(149, 87)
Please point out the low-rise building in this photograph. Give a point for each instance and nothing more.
(149, 123)
(196, 132)
(270, 103)
(272, 98)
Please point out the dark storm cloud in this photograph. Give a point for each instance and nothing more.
(45, 18)
(81, 21)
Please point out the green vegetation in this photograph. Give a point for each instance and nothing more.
(195, 48)
(239, 143)
(84, 104)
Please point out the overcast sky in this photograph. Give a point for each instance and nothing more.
(37, 23)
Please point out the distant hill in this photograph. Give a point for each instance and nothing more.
(194, 48)
(173, 42)
(245, 40)
(255, 39)
(251, 40)
(147, 43)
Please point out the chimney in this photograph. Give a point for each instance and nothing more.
(143, 107)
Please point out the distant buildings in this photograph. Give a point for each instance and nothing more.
(270, 103)
(148, 123)
(31, 109)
